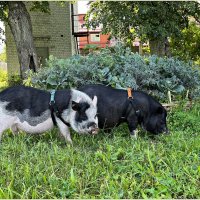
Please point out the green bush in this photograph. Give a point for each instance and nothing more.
(120, 68)
(186, 46)
(3, 78)
(14, 79)
(11, 80)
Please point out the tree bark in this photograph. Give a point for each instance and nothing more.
(157, 47)
(21, 28)
(160, 47)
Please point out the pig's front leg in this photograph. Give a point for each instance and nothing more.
(64, 130)
(132, 125)
(134, 133)
(14, 129)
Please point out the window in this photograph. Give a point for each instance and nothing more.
(95, 37)
(43, 54)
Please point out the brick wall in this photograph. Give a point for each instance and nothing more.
(12, 59)
(51, 32)
(83, 41)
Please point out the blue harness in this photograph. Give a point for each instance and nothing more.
(54, 109)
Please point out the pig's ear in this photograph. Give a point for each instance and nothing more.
(75, 106)
(94, 100)
(78, 99)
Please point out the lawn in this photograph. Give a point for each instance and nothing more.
(105, 166)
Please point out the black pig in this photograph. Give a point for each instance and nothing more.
(114, 107)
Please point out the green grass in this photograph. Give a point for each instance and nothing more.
(105, 166)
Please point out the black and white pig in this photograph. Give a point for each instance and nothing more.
(28, 109)
(114, 107)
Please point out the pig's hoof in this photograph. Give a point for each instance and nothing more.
(69, 145)
(134, 134)
(69, 142)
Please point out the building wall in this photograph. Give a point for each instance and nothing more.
(12, 58)
(102, 43)
(52, 35)
(103, 39)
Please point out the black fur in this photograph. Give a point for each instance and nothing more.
(114, 107)
(21, 98)
(80, 114)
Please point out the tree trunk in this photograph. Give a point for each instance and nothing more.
(160, 47)
(21, 28)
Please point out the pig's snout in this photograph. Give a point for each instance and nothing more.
(91, 125)
(93, 128)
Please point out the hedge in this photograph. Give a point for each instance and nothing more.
(120, 68)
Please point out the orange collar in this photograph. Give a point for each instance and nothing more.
(130, 96)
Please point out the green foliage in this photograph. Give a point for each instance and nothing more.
(187, 46)
(3, 79)
(145, 19)
(14, 79)
(3, 10)
(120, 68)
(105, 166)
(42, 6)
(90, 48)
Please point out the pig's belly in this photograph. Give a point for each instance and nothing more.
(39, 128)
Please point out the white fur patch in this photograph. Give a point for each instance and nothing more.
(23, 121)
(39, 128)
(90, 112)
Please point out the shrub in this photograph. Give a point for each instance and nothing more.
(120, 68)
(186, 46)
(14, 79)
(3, 78)
(9, 80)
